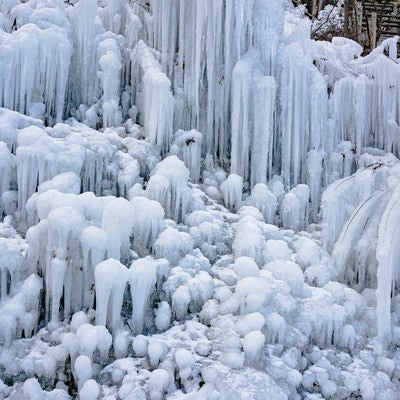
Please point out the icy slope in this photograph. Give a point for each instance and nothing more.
(198, 202)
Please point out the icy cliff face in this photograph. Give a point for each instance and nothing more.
(198, 201)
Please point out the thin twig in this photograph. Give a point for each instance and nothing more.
(326, 20)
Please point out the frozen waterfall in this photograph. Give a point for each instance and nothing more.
(195, 195)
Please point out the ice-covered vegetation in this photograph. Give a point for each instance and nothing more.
(198, 201)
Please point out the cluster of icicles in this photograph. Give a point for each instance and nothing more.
(244, 73)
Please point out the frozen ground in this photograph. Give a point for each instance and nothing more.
(198, 202)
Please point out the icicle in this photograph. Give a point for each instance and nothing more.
(142, 279)
(248, 241)
(149, 219)
(64, 227)
(158, 102)
(110, 280)
(58, 268)
(241, 135)
(295, 103)
(110, 64)
(265, 201)
(342, 197)
(232, 189)
(7, 172)
(190, 144)
(94, 248)
(315, 179)
(23, 84)
(352, 250)
(262, 141)
(118, 221)
(84, 58)
(173, 192)
(173, 245)
(387, 255)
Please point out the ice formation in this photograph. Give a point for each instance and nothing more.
(149, 219)
(197, 201)
(142, 279)
(168, 185)
(110, 281)
(156, 93)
